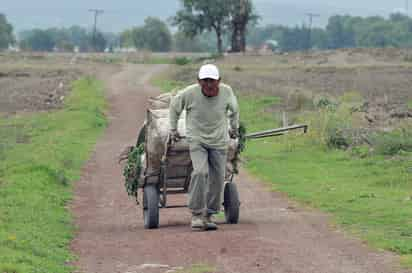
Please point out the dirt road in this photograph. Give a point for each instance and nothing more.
(274, 235)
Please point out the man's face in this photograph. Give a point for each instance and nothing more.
(210, 87)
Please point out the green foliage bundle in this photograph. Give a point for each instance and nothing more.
(240, 147)
(132, 169)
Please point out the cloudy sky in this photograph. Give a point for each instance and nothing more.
(46, 13)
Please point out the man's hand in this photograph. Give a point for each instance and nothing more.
(234, 133)
(174, 136)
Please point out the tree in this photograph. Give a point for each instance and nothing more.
(242, 14)
(198, 16)
(256, 36)
(340, 32)
(97, 41)
(6, 33)
(79, 37)
(157, 35)
(126, 38)
(62, 39)
(154, 35)
(37, 40)
(200, 43)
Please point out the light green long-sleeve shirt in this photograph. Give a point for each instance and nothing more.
(206, 117)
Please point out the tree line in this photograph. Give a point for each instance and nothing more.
(340, 32)
(65, 39)
(216, 25)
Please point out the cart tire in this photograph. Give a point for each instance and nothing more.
(231, 203)
(151, 207)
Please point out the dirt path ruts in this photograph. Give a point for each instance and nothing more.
(273, 235)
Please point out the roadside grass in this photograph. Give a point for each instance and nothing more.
(199, 268)
(370, 195)
(410, 104)
(40, 156)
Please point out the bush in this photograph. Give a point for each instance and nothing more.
(336, 137)
(393, 142)
(361, 151)
(182, 60)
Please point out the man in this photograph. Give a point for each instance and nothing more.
(208, 106)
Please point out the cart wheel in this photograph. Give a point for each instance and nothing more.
(231, 203)
(151, 207)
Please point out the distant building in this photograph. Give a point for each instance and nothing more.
(270, 46)
(13, 48)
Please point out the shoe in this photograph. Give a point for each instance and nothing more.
(198, 223)
(209, 222)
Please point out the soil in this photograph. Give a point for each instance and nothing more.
(29, 90)
(274, 234)
(33, 82)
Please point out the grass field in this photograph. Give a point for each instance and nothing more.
(40, 156)
(367, 193)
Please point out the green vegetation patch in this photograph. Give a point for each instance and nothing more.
(39, 159)
(370, 195)
(199, 268)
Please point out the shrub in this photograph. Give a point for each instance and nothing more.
(237, 68)
(391, 143)
(337, 136)
(182, 60)
(325, 102)
(361, 151)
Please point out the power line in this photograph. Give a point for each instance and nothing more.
(311, 16)
(96, 12)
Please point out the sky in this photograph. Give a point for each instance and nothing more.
(24, 14)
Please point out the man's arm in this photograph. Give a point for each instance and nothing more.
(176, 107)
(233, 111)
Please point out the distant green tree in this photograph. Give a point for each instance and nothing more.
(205, 42)
(97, 41)
(340, 32)
(242, 13)
(294, 39)
(37, 40)
(79, 37)
(153, 35)
(157, 35)
(256, 36)
(126, 38)
(62, 39)
(198, 16)
(6, 33)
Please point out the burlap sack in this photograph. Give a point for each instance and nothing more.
(160, 102)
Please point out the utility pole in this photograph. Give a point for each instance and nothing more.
(407, 6)
(96, 12)
(311, 16)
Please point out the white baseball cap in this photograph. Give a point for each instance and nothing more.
(209, 71)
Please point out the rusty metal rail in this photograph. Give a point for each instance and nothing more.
(276, 132)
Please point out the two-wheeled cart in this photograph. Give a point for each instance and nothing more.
(175, 175)
(174, 178)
